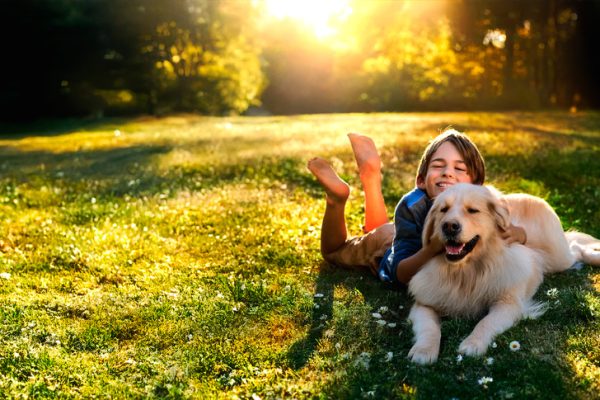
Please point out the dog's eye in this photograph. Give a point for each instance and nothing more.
(471, 210)
(444, 209)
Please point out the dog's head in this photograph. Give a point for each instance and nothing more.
(466, 218)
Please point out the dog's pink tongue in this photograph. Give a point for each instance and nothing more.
(454, 249)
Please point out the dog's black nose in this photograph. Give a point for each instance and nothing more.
(451, 228)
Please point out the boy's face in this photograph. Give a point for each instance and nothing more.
(445, 169)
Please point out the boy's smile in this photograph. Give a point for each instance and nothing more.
(446, 168)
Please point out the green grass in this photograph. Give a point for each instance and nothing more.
(178, 258)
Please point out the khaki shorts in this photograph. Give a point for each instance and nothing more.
(364, 251)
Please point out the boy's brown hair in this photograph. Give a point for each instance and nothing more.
(467, 149)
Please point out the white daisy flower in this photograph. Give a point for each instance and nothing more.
(363, 360)
(485, 380)
(383, 309)
(391, 324)
(381, 322)
(319, 295)
(489, 360)
(377, 315)
(459, 358)
(514, 346)
(494, 345)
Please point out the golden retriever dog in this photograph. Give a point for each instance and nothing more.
(479, 272)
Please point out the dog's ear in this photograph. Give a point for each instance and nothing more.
(428, 229)
(499, 209)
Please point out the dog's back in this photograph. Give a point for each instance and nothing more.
(544, 230)
(560, 250)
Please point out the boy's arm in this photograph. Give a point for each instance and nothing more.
(409, 266)
(513, 234)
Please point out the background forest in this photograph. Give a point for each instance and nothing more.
(123, 57)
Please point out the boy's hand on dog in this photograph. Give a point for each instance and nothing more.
(514, 234)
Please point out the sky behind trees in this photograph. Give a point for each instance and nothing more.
(115, 57)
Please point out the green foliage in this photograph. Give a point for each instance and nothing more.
(178, 258)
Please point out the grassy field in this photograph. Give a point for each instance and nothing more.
(178, 258)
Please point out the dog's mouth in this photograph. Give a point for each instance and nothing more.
(456, 251)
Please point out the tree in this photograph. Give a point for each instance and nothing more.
(93, 56)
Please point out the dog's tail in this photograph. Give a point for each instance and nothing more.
(584, 247)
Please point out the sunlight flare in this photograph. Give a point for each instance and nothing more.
(318, 15)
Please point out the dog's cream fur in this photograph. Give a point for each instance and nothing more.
(494, 276)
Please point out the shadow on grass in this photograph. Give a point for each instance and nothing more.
(534, 372)
(370, 288)
(57, 127)
(134, 171)
(300, 352)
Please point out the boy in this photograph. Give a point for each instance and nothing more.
(394, 252)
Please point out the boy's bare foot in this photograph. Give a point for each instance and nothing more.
(365, 153)
(336, 189)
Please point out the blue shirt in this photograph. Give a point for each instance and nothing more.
(409, 219)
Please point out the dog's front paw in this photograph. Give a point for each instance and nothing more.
(472, 346)
(423, 355)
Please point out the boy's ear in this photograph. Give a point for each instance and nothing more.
(420, 182)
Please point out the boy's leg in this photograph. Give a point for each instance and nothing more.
(333, 230)
(369, 168)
